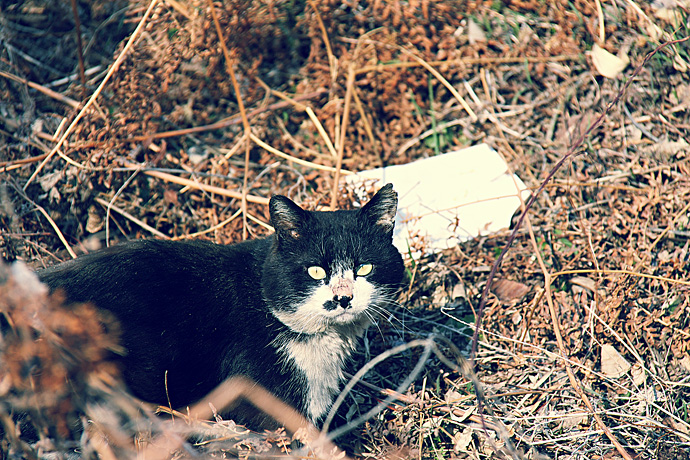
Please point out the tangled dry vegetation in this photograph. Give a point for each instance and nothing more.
(585, 342)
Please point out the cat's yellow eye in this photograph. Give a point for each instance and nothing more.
(316, 272)
(364, 269)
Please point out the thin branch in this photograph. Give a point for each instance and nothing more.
(206, 188)
(299, 161)
(48, 218)
(572, 152)
(94, 96)
(80, 46)
(142, 224)
(245, 121)
(343, 130)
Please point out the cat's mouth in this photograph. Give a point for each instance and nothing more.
(315, 322)
(344, 316)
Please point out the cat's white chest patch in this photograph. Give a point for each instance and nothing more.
(321, 358)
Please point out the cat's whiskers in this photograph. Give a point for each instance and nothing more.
(382, 303)
(387, 314)
(373, 321)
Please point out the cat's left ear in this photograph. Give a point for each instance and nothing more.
(286, 217)
(382, 208)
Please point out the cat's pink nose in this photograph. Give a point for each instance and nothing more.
(342, 287)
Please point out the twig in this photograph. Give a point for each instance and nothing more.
(438, 129)
(260, 222)
(574, 382)
(620, 272)
(467, 61)
(306, 163)
(210, 229)
(245, 121)
(443, 81)
(47, 91)
(408, 399)
(465, 369)
(364, 118)
(112, 200)
(48, 218)
(321, 130)
(642, 129)
(571, 153)
(139, 222)
(309, 111)
(332, 61)
(206, 188)
(224, 123)
(65, 80)
(232, 390)
(80, 47)
(94, 96)
(428, 345)
(343, 130)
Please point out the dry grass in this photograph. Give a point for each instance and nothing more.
(584, 350)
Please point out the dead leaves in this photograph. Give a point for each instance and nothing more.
(613, 364)
(607, 64)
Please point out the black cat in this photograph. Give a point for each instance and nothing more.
(285, 310)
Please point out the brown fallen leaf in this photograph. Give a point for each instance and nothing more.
(613, 364)
(508, 291)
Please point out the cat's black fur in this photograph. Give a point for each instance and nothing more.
(203, 312)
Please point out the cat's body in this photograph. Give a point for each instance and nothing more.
(285, 310)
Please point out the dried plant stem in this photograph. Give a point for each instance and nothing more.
(80, 49)
(322, 131)
(444, 82)
(428, 345)
(620, 272)
(308, 110)
(333, 68)
(47, 91)
(299, 161)
(203, 187)
(245, 121)
(210, 229)
(332, 61)
(343, 130)
(260, 222)
(467, 61)
(432, 71)
(363, 117)
(94, 96)
(134, 174)
(572, 152)
(574, 382)
(233, 120)
(49, 219)
(230, 391)
(109, 206)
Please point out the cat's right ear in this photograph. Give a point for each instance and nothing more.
(382, 208)
(286, 217)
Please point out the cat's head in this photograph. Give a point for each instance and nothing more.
(332, 270)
